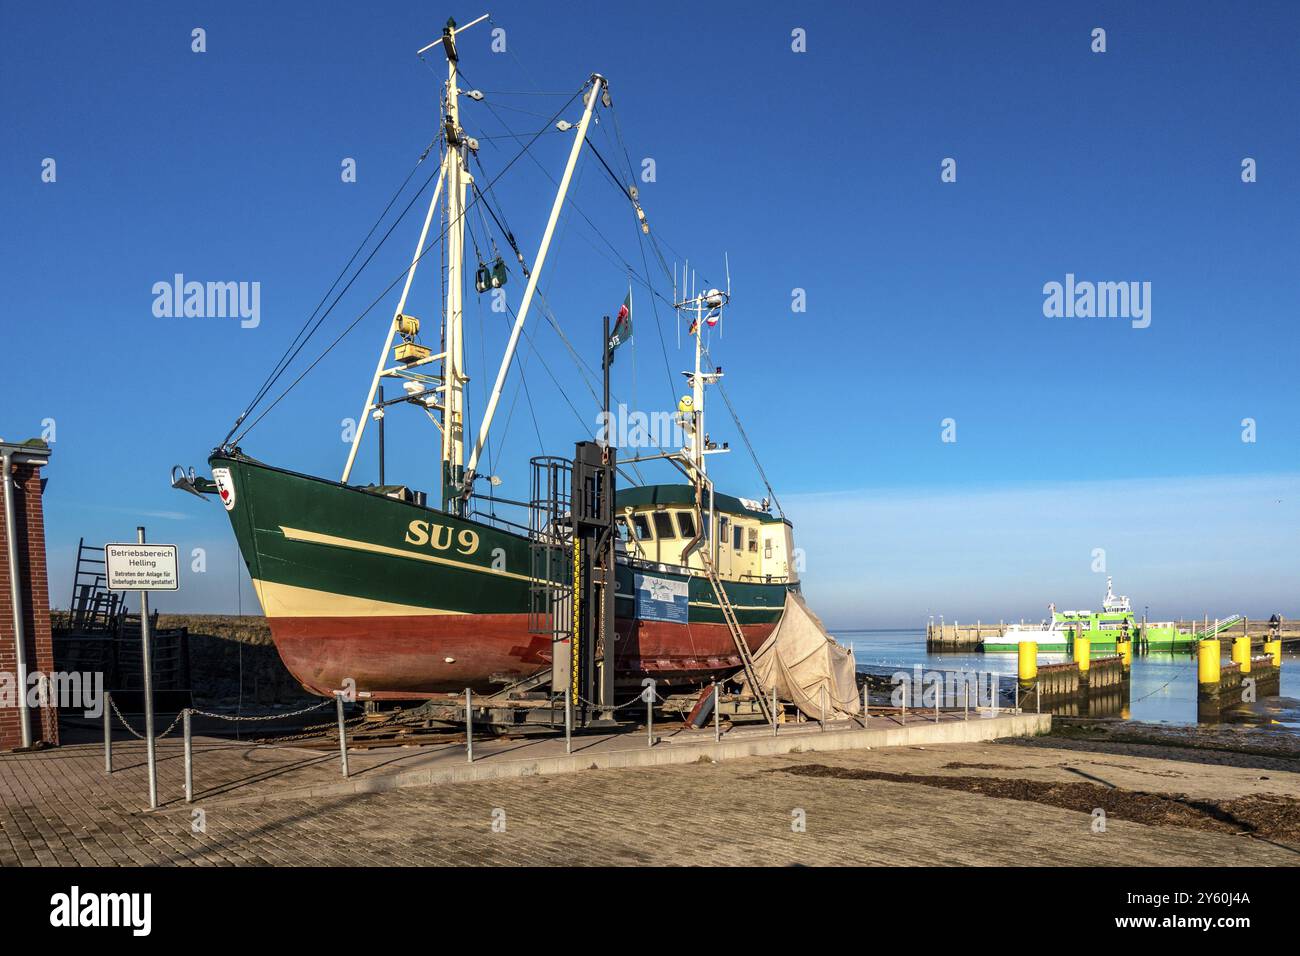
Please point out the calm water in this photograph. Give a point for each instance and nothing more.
(1162, 687)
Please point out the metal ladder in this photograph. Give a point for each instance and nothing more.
(737, 635)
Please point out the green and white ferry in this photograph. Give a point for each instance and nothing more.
(1102, 629)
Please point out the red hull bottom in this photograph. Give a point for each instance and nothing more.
(406, 658)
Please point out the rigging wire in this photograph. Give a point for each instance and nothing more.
(401, 276)
(630, 269)
(589, 375)
(585, 371)
(654, 241)
(741, 428)
(286, 359)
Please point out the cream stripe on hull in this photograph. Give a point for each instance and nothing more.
(288, 600)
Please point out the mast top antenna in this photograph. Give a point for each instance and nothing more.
(448, 38)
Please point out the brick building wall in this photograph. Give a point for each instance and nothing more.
(29, 521)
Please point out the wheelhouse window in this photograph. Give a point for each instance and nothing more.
(767, 548)
(686, 522)
(663, 525)
(753, 541)
(738, 538)
(641, 525)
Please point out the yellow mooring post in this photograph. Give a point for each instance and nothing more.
(1241, 653)
(1028, 661)
(1082, 654)
(1274, 650)
(1125, 651)
(1207, 665)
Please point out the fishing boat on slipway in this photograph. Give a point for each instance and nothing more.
(377, 585)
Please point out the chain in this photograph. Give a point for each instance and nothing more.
(257, 717)
(629, 703)
(112, 703)
(172, 726)
(308, 732)
(316, 730)
(139, 736)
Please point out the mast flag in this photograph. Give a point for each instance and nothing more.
(622, 326)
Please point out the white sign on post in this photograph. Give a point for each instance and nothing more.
(141, 567)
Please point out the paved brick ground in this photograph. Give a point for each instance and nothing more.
(730, 813)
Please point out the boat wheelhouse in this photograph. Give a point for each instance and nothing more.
(657, 523)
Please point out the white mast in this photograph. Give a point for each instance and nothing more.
(704, 305)
(697, 396)
(455, 175)
(453, 376)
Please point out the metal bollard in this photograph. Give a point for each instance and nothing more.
(568, 722)
(343, 733)
(469, 725)
(189, 757)
(717, 712)
(108, 733)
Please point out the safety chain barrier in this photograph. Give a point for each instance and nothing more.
(256, 717)
(139, 736)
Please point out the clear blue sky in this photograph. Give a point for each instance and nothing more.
(816, 170)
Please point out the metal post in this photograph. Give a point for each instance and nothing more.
(717, 712)
(866, 704)
(1038, 697)
(906, 693)
(773, 710)
(146, 665)
(823, 720)
(650, 721)
(469, 724)
(568, 723)
(108, 732)
(965, 699)
(343, 733)
(936, 704)
(189, 757)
